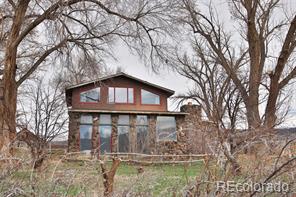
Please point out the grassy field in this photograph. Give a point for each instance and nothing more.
(81, 176)
(64, 178)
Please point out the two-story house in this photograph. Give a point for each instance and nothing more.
(122, 113)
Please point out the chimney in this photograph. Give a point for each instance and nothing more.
(191, 109)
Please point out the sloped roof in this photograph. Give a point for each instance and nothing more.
(120, 74)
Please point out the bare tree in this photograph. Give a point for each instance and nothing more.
(42, 117)
(214, 91)
(268, 70)
(38, 33)
(82, 69)
(108, 175)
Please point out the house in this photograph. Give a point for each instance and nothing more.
(122, 113)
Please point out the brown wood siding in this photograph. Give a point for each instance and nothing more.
(119, 82)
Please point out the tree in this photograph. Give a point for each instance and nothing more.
(37, 33)
(108, 175)
(81, 69)
(42, 118)
(214, 91)
(249, 47)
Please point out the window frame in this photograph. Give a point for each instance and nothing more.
(127, 94)
(90, 102)
(99, 131)
(166, 140)
(142, 126)
(152, 93)
(128, 133)
(86, 124)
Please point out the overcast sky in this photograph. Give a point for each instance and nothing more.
(134, 66)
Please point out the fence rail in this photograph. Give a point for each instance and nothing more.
(154, 155)
(144, 159)
(135, 158)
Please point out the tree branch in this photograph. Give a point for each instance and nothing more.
(39, 61)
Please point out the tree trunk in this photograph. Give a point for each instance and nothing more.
(235, 167)
(253, 116)
(270, 112)
(109, 176)
(8, 93)
(7, 116)
(38, 156)
(256, 66)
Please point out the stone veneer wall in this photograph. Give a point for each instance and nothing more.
(133, 134)
(95, 133)
(74, 134)
(152, 134)
(196, 129)
(114, 133)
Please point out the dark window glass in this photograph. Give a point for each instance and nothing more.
(90, 96)
(85, 132)
(85, 137)
(149, 98)
(123, 138)
(105, 130)
(166, 128)
(105, 138)
(142, 139)
(142, 134)
(123, 133)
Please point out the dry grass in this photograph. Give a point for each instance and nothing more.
(82, 176)
(59, 177)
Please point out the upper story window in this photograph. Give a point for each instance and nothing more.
(120, 95)
(90, 96)
(149, 98)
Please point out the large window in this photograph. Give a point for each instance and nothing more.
(120, 95)
(142, 134)
(123, 133)
(90, 96)
(149, 98)
(85, 132)
(105, 130)
(166, 128)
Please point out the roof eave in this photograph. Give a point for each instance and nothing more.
(169, 91)
(128, 112)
